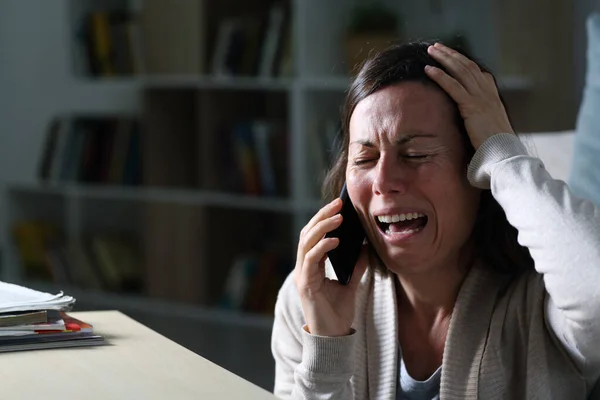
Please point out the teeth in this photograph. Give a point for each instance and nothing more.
(390, 219)
(406, 232)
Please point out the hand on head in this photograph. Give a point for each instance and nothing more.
(473, 90)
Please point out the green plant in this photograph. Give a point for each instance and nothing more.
(372, 16)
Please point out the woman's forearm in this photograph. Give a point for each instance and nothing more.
(561, 231)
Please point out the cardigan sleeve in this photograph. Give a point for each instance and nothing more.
(308, 366)
(562, 233)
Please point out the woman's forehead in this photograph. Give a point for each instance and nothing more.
(403, 109)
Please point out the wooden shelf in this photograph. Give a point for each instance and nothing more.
(224, 83)
(140, 303)
(166, 195)
(188, 82)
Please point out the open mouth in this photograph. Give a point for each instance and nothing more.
(405, 224)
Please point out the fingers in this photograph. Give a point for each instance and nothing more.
(490, 80)
(310, 268)
(450, 85)
(310, 238)
(327, 211)
(464, 70)
(317, 254)
(462, 63)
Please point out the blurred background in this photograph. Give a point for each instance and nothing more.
(159, 157)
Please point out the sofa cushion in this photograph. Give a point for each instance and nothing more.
(555, 149)
(585, 171)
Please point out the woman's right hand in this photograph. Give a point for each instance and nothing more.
(327, 304)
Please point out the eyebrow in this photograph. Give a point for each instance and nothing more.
(403, 140)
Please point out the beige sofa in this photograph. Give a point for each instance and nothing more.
(555, 149)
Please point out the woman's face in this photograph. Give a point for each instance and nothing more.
(406, 176)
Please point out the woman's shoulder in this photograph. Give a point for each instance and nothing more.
(519, 310)
(525, 289)
(521, 328)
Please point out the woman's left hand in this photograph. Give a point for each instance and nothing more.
(474, 91)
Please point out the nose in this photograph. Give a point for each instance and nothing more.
(389, 178)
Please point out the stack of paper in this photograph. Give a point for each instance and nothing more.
(36, 320)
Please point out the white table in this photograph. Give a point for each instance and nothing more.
(137, 364)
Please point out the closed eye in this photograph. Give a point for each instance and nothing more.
(362, 161)
(417, 156)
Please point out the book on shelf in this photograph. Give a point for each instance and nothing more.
(109, 44)
(258, 149)
(81, 149)
(112, 263)
(171, 39)
(108, 262)
(33, 320)
(251, 156)
(253, 282)
(254, 45)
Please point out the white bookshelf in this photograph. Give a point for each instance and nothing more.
(191, 82)
(163, 195)
(314, 91)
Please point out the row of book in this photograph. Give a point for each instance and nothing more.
(31, 320)
(92, 150)
(113, 263)
(253, 155)
(108, 262)
(116, 43)
(110, 43)
(253, 282)
(254, 45)
(251, 158)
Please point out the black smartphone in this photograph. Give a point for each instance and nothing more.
(351, 235)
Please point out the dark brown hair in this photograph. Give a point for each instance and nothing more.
(496, 240)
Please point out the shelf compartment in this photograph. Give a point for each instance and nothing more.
(163, 195)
